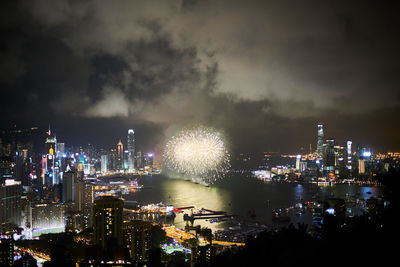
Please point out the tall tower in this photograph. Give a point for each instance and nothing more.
(104, 163)
(120, 155)
(131, 150)
(349, 155)
(329, 158)
(49, 166)
(320, 141)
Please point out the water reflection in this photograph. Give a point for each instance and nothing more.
(239, 194)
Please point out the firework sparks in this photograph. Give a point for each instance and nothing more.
(198, 153)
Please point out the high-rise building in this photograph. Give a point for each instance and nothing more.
(329, 159)
(349, 155)
(107, 221)
(69, 186)
(88, 200)
(320, 141)
(10, 205)
(104, 163)
(120, 155)
(113, 160)
(361, 166)
(131, 150)
(6, 168)
(298, 159)
(47, 216)
(21, 167)
(149, 161)
(126, 160)
(139, 160)
(7, 252)
(60, 150)
(73, 190)
(137, 238)
(49, 166)
(79, 212)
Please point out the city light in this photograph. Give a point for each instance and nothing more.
(366, 154)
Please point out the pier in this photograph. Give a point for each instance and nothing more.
(206, 214)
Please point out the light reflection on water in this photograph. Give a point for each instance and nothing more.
(239, 194)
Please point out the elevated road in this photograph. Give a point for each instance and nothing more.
(180, 236)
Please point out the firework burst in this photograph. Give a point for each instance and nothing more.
(199, 154)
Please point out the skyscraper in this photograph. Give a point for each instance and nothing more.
(320, 141)
(10, 202)
(69, 186)
(73, 190)
(298, 159)
(139, 160)
(131, 150)
(107, 224)
(49, 168)
(112, 160)
(349, 155)
(120, 155)
(104, 163)
(329, 158)
(88, 199)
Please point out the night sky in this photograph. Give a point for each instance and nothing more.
(263, 72)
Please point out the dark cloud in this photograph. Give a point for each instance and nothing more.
(265, 72)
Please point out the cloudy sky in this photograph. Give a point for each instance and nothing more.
(263, 72)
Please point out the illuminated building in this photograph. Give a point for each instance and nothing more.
(320, 140)
(139, 160)
(113, 160)
(79, 210)
(120, 155)
(126, 160)
(149, 161)
(47, 216)
(361, 166)
(349, 155)
(7, 252)
(49, 166)
(137, 238)
(60, 150)
(69, 186)
(6, 168)
(21, 166)
(329, 155)
(298, 159)
(88, 169)
(107, 221)
(202, 255)
(10, 206)
(88, 199)
(131, 150)
(74, 191)
(365, 161)
(104, 163)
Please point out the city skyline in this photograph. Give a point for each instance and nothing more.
(199, 133)
(263, 72)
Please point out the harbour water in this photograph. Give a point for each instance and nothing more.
(242, 195)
